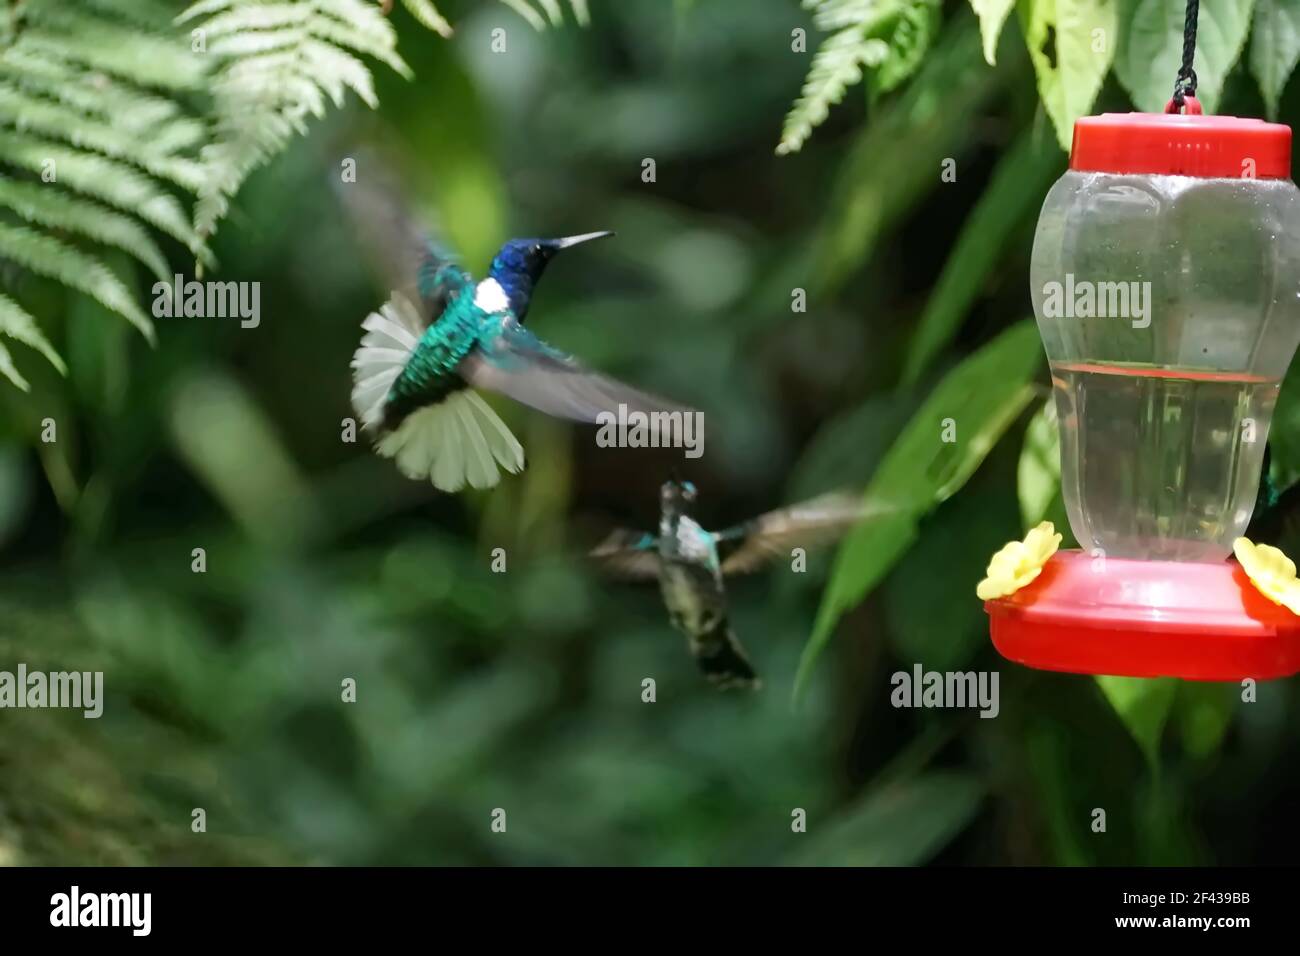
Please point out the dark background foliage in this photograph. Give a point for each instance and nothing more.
(522, 690)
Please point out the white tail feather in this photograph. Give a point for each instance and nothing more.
(391, 336)
(459, 441)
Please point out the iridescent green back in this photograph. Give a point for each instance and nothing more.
(430, 374)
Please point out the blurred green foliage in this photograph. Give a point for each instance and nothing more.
(522, 690)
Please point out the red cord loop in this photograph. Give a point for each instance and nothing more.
(1191, 106)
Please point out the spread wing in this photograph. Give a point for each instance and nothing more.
(811, 524)
(518, 364)
(633, 555)
(406, 256)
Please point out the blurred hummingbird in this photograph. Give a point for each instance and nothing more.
(1275, 518)
(687, 561)
(423, 355)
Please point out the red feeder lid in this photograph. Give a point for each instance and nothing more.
(1146, 619)
(1178, 144)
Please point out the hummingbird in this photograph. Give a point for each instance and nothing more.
(425, 356)
(1275, 519)
(689, 564)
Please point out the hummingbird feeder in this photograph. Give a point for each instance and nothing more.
(1166, 285)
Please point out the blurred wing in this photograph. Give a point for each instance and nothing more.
(628, 554)
(518, 364)
(399, 250)
(808, 525)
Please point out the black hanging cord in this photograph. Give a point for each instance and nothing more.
(1185, 84)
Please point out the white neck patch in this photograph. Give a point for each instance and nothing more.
(490, 297)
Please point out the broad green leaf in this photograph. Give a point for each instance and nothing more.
(992, 14)
(1151, 48)
(1038, 477)
(943, 635)
(903, 824)
(1204, 712)
(1274, 47)
(1014, 194)
(231, 446)
(1072, 44)
(1143, 706)
(973, 406)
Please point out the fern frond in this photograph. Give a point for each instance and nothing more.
(128, 108)
(39, 205)
(272, 16)
(867, 34)
(145, 14)
(280, 63)
(89, 107)
(50, 257)
(837, 66)
(521, 7)
(428, 15)
(94, 42)
(115, 183)
(95, 116)
(7, 368)
(550, 10)
(18, 324)
(829, 15)
(338, 69)
(47, 118)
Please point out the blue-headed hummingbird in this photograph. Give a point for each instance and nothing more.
(424, 355)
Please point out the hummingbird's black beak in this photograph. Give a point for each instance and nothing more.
(569, 241)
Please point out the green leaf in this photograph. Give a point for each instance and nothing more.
(257, 481)
(974, 405)
(1038, 478)
(1204, 712)
(992, 14)
(1151, 48)
(903, 824)
(1143, 706)
(1274, 47)
(1072, 44)
(1013, 196)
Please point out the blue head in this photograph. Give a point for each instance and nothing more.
(521, 262)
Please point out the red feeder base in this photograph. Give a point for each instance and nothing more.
(1128, 618)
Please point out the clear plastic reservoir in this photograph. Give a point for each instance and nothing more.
(1169, 307)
